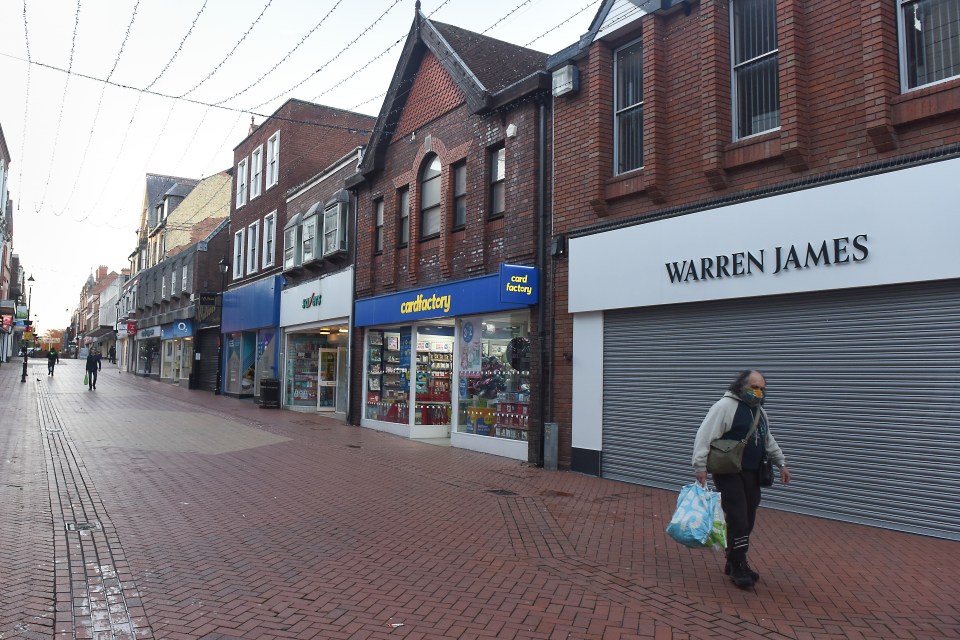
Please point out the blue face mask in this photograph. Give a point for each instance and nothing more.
(753, 397)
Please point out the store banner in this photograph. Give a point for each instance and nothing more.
(149, 332)
(132, 327)
(518, 284)
(206, 305)
(178, 329)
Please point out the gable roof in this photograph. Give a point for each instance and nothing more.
(491, 73)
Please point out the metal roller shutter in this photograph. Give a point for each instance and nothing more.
(863, 397)
(207, 346)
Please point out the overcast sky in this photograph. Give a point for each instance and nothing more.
(81, 146)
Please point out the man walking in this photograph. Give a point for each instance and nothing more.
(94, 364)
(53, 358)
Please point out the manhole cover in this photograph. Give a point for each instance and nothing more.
(84, 526)
(501, 492)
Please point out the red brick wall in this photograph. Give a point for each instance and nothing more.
(433, 94)
(312, 137)
(841, 108)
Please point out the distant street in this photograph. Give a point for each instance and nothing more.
(143, 510)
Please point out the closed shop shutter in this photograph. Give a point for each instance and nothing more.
(863, 396)
(207, 341)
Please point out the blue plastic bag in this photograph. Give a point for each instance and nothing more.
(698, 521)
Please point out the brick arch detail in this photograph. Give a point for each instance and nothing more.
(438, 148)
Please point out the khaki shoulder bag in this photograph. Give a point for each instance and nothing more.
(726, 456)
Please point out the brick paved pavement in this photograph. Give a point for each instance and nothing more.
(205, 517)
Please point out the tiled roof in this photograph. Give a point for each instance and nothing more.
(495, 63)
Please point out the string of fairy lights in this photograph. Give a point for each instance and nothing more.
(148, 90)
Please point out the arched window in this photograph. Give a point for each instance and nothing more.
(430, 198)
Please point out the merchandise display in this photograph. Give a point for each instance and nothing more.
(302, 371)
(434, 379)
(387, 378)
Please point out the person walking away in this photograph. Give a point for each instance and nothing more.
(94, 364)
(53, 358)
(732, 418)
(113, 355)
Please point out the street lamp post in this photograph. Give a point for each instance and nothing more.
(23, 377)
(224, 266)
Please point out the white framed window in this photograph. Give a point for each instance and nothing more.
(238, 239)
(309, 239)
(929, 41)
(256, 172)
(498, 184)
(430, 198)
(269, 238)
(378, 226)
(183, 281)
(163, 287)
(173, 282)
(403, 216)
(756, 67)
(628, 107)
(292, 247)
(242, 183)
(273, 160)
(253, 247)
(335, 229)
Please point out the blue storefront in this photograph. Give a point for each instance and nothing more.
(452, 361)
(250, 327)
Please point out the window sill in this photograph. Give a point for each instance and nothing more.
(765, 146)
(625, 184)
(432, 236)
(926, 102)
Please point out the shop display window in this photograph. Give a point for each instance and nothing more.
(494, 376)
(302, 370)
(434, 376)
(388, 375)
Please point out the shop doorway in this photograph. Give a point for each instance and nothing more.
(327, 380)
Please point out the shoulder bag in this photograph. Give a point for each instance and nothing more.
(726, 456)
(766, 467)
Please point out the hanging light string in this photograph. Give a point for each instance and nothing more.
(179, 48)
(230, 54)
(26, 98)
(284, 59)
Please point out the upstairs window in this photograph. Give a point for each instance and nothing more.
(756, 85)
(256, 172)
(238, 239)
(253, 247)
(929, 41)
(459, 207)
(430, 198)
(173, 282)
(269, 238)
(183, 283)
(163, 287)
(378, 226)
(498, 176)
(309, 237)
(242, 183)
(292, 244)
(403, 214)
(335, 229)
(273, 160)
(628, 115)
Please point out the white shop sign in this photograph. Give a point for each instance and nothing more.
(149, 332)
(894, 227)
(318, 300)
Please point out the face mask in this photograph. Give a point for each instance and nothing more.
(753, 397)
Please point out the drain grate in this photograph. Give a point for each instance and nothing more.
(501, 492)
(84, 526)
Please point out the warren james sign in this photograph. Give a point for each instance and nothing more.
(780, 259)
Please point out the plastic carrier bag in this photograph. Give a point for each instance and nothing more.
(698, 521)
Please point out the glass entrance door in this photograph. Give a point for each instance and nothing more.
(327, 384)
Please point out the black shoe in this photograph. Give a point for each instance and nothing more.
(753, 574)
(739, 575)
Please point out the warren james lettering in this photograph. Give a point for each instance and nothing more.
(433, 303)
(837, 251)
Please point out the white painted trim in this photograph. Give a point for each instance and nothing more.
(587, 366)
(513, 449)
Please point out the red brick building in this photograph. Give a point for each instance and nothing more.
(450, 191)
(294, 143)
(763, 184)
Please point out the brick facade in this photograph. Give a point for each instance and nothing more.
(841, 107)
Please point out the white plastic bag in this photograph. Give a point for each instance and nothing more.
(698, 521)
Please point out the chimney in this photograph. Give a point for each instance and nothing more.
(101, 273)
(253, 127)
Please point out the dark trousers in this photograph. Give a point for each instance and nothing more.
(93, 378)
(739, 497)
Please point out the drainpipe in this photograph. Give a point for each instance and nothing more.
(545, 365)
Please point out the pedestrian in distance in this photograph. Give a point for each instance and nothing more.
(53, 359)
(732, 418)
(94, 364)
(113, 355)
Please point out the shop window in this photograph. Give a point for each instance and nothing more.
(459, 207)
(388, 375)
(756, 88)
(494, 376)
(929, 41)
(335, 229)
(434, 374)
(498, 176)
(628, 116)
(430, 199)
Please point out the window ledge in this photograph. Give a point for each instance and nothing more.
(926, 102)
(624, 184)
(765, 146)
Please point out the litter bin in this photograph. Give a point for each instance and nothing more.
(269, 393)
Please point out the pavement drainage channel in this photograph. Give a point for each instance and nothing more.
(90, 552)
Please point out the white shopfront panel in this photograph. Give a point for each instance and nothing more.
(317, 301)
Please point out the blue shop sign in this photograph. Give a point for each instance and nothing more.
(178, 329)
(518, 284)
(252, 306)
(464, 297)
